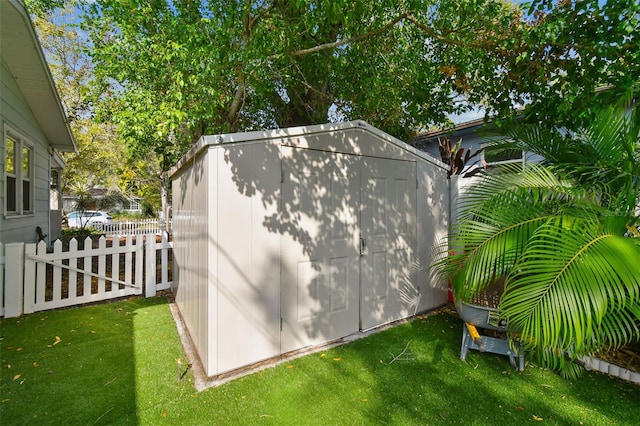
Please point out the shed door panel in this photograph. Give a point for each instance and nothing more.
(320, 259)
(389, 226)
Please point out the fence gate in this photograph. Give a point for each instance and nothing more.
(83, 272)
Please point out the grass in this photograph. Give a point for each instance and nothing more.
(122, 363)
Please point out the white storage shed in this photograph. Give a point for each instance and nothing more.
(290, 238)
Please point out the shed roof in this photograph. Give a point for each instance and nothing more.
(293, 132)
(25, 60)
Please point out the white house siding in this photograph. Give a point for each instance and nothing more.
(16, 114)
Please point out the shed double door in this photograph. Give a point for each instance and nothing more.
(348, 244)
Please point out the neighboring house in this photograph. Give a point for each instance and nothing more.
(33, 128)
(475, 134)
(129, 204)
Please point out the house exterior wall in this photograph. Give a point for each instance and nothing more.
(16, 115)
(473, 138)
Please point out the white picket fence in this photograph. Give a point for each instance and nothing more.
(36, 279)
(1, 279)
(133, 227)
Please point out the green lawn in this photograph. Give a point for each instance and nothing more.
(121, 363)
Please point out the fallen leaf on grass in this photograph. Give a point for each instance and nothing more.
(337, 359)
(19, 349)
(58, 340)
(520, 408)
(536, 418)
(16, 377)
(164, 414)
(289, 366)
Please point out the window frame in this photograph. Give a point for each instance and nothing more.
(20, 145)
(490, 164)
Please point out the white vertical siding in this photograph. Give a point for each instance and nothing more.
(208, 257)
(433, 225)
(193, 267)
(248, 255)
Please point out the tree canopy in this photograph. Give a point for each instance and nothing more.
(173, 70)
(101, 155)
(168, 71)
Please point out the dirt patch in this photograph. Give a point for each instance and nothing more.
(91, 286)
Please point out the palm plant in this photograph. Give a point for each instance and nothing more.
(557, 234)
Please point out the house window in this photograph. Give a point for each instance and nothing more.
(134, 204)
(493, 158)
(19, 175)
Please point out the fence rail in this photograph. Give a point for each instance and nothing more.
(37, 278)
(133, 227)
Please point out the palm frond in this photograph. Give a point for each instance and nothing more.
(494, 227)
(571, 277)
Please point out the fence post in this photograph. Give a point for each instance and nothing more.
(164, 256)
(14, 279)
(29, 279)
(150, 266)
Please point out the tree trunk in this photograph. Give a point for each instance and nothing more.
(164, 196)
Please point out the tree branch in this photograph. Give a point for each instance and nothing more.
(355, 39)
(432, 33)
(236, 103)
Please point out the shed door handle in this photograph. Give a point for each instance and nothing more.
(363, 246)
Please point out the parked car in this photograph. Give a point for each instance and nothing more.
(87, 218)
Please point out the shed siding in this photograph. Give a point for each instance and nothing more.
(249, 254)
(194, 259)
(433, 225)
(230, 225)
(16, 114)
(351, 141)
